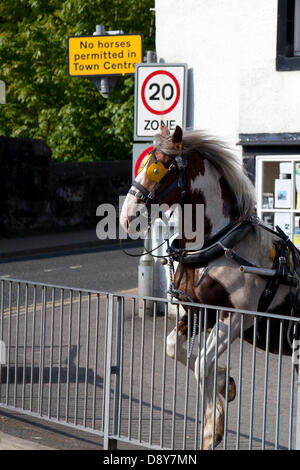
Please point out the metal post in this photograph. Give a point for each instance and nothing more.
(146, 263)
(117, 370)
(104, 84)
(108, 443)
(298, 412)
(2, 92)
(145, 279)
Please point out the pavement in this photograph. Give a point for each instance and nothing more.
(8, 442)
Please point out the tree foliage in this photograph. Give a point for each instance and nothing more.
(42, 100)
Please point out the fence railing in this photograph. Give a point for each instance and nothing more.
(88, 360)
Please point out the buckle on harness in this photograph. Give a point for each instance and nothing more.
(229, 253)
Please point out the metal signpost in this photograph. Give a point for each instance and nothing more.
(160, 98)
(2, 92)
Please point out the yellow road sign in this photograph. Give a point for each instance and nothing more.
(90, 56)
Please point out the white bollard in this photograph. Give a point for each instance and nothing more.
(145, 280)
(161, 272)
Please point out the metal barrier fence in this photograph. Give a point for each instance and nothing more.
(86, 359)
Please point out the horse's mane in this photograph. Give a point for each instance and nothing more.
(227, 164)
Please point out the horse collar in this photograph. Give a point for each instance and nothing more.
(222, 242)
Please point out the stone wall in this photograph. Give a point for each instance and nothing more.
(38, 195)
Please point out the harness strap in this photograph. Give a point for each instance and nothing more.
(269, 292)
(214, 248)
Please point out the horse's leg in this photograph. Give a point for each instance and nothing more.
(208, 379)
(181, 355)
(176, 340)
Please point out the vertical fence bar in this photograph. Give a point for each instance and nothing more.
(96, 360)
(266, 384)
(8, 342)
(298, 412)
(51, 350)
(253, 383)
(104, 364)
(175, 382)
(60, 352)
(107, 363)
(199, 347)
(296, 357)
(121, 367)
(163, 385)
(17, 345)
(240, 383)
(118, 366)
(1, 332)
(278, 387)
(32, 347)
(133, 306)
(227, 382)
(187, 376)
(215, 380)
(292, 390)
(24, 344)
(1, 309)
(68, 355)
(42, 347)
(202, 372)
(152, 371)
(87, 355)
(78, 358)
(141, 373)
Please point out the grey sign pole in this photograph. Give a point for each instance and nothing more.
(146, 263)
(2, 92)
(104, 84)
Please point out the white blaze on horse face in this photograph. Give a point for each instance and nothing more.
(130, 206)
(209, 186)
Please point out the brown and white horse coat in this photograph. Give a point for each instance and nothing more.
(215, 178)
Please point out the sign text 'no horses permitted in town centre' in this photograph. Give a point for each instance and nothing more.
(104, 55)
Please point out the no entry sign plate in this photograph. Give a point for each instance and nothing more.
(160, 98)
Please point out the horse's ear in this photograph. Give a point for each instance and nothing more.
(177, 136)
(164, 131)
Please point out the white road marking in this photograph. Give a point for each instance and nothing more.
(75, 267)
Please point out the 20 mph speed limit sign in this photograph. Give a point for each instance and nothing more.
(160, 98)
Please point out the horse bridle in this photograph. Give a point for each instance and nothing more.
(150, 197)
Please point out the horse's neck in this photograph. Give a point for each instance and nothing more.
(211, 190)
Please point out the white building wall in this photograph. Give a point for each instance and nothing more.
(230, 47)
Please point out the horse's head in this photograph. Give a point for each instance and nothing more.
(194, 170)
(160, 180)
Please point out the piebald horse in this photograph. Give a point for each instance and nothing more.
(197, 169)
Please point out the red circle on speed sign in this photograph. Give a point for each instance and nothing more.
(140, 159)
(170, 75)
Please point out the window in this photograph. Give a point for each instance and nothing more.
(278, 193)
(288, 35)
